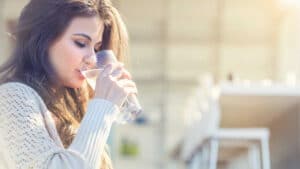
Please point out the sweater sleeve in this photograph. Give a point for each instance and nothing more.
(28, 143)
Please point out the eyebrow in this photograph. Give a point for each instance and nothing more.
(86, 36)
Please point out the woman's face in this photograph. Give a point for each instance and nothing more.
(75, 49)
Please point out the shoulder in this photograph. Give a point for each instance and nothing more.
(17, 93)
(18, 86)
(15, 89)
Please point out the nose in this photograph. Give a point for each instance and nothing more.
(90, 60)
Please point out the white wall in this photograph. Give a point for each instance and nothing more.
(289, 44)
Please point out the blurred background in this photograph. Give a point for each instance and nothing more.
(218, 80)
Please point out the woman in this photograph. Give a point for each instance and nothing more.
(49, 117)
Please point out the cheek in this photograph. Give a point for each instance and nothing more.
(72, 57)
(68, 56)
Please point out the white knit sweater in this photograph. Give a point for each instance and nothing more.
(29, 139)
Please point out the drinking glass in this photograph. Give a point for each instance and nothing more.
(131, 107)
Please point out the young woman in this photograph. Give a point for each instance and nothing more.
(49, 117)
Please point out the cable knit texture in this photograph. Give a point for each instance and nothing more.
(29, 139)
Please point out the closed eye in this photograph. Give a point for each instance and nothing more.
(80, 44)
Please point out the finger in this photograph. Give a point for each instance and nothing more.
(126, 83)
(116, 69)
(107, 70)
(122, 74)
(126, 74)
(117, 73)
(131, 86)
(131, 90)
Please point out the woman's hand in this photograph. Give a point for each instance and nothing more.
(114, 84)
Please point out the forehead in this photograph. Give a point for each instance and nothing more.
(91, 26)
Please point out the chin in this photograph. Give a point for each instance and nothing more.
(75, 85)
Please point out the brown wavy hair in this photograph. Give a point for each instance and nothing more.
(42, 22)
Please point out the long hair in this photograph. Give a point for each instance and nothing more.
(41, 23)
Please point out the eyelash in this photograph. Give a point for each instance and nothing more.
(79, 44)
(82, 45)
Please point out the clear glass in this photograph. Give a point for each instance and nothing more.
(91, 76)
(131, 107)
